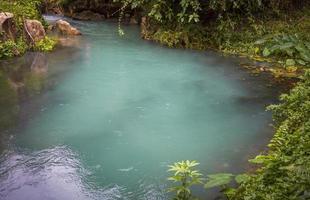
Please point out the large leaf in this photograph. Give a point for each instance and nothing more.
(305, 56)
(301, 62)
(260, 159)
(301, 48)
(261, 41)
(286, 45)
(218, 180)
(266, 52)
(290, 62)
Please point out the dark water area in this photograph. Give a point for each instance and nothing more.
(102, 117)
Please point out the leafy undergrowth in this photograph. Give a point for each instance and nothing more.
(283, 40)
(23, 10)
(12, 48)
(47, 44)
(285, 170)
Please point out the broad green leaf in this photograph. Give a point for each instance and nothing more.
(305, 56)
(218, 180)
(286, 45)
(266, 52)
(290, 62)
(301, 62)
(260, 159)
(261, 41)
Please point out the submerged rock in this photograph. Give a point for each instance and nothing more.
(7, 26)
(34, 31)
(88, 15)
(65, 28)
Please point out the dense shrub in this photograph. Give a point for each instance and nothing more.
(285, 171)
(45, 45)
(11, 48)
(22, 9)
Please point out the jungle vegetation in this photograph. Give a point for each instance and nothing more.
(23, 10)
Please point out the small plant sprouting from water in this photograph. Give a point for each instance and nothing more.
(186, 176)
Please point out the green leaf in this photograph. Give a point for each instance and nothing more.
(260, 159)
(242, 178)
(286, 45)
(218, 180)
(305, 56)
(266, 52)
(261, 41)
(290, 62)
(301, 62)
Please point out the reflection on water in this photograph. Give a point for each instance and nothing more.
(103, 116)
(8, 103)
(55, 172)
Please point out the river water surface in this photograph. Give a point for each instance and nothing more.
(103, 116)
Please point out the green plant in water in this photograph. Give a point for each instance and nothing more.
(186, 176)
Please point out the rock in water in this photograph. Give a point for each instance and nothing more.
(7, 26)
(34, 31)
(65, 28)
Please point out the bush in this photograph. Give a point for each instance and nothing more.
(47, 44)
(10, 48)
(291, 47)
(22, 10)
(285, 171)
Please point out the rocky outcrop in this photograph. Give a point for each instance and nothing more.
(88, 15)
(7, 26)
(65, 28)
(34, 31)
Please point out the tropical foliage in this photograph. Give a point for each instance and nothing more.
(23, 10)
(11, 48)
(186, 176)
(285, 171)
(290, 47)
(45, 45)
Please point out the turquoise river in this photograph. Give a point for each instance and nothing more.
(103, 116)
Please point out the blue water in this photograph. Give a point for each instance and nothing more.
(105, 115)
